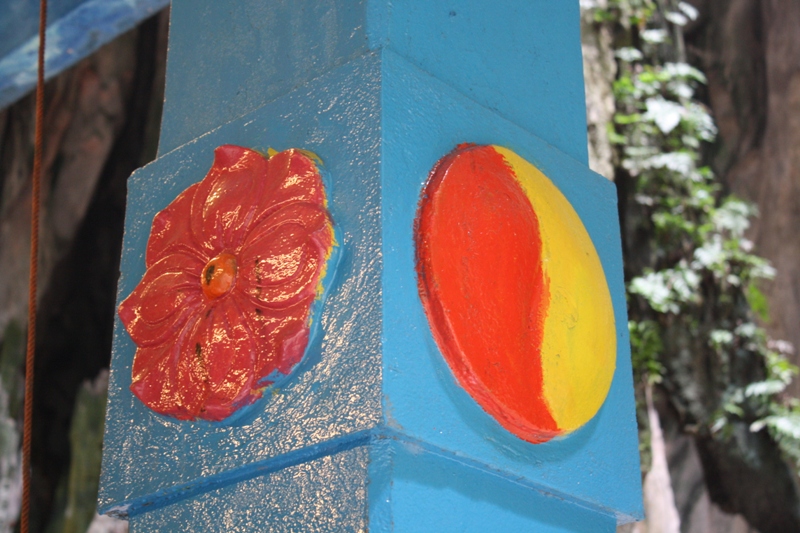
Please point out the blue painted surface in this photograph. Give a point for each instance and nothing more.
(75, 29)
(347, 396)
(374, 420)
(323, 495)
(423, 119)
(520, 59)
(251, 52)
(19, 20)
(335, 395)
(421, 492)
(433, 493)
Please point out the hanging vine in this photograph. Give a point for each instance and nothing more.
(694, 281)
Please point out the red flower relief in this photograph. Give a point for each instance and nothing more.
(234, 264)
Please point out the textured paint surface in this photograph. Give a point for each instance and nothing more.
(483, 285)
(249, 56)
(436, 493)
(514, 292)
(579, 347)
(598, 463)
(320, 496)
(421, 490)
(335, 390)
(521, 59)
(234, 264)
(75, 29)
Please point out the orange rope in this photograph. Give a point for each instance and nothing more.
(34, 270)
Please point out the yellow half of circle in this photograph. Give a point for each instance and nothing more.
(579, 346)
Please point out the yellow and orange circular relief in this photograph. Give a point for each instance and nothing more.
(514, 292)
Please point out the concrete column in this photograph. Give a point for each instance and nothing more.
(371, 431)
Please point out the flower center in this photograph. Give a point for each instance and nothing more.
(218, 276)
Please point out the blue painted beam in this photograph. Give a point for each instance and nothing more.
(19, 20)
(75, 29)
(427, 492)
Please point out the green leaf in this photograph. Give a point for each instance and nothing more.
(765, 388)
(666, 114)
(679, 19)
(629, 54)
(720, 337)
(758, 302)
(787, 425)
(654, 36)
(689, 10)
(621, 118)
(683, 70)
(616, 138)
(646, 347)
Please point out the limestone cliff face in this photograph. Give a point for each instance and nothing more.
(599, 72)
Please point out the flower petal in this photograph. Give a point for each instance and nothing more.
(170, 232)
(282, 267)
(154, 385)
(312, 218)
(282, 336)
(292, 176)
(158, 307)
(222, 349)
(166, 383)
(225, 203)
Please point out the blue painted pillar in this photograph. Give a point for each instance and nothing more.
(371, 432)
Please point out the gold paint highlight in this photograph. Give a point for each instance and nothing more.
(579, 346)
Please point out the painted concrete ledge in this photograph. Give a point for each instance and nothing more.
(70, 38)
(371, 439)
